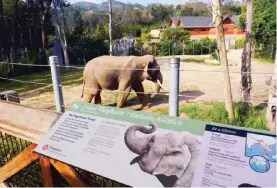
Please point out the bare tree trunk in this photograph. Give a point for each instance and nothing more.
(246, 80)
(43, 11)
(14, 24)
(60, 30)
(2, 25)
(271, 120)
(64, 42)
(29, 20)
(223, 57)
(110, 28)
(43, 37)
(1, 14)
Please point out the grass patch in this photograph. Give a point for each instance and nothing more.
(68, 77)
(193, 60)
(265, 60)
(253, 117)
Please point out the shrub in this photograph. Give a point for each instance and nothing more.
(240, 43)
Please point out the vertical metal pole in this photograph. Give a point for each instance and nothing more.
(174, 65)
(55, 72)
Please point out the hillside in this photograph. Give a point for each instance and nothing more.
(84, 5)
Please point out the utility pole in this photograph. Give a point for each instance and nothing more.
(217, 19)
(246, 80)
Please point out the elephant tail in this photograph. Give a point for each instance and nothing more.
(83, 89)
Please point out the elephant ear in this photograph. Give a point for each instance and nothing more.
(174, 163)
(146, 62)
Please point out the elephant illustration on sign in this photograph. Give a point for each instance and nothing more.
(170, 157)
(121, 73)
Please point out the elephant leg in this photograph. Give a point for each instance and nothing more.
(90, 92)
(97, 99)
(88, 97)
(138, 88)
(124, 94)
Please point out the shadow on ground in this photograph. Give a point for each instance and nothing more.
(134, 104)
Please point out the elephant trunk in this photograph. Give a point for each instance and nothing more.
(158, 84)
(138, 144)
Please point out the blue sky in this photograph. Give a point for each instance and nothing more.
(144, 2)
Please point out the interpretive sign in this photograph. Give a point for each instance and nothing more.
(237, 158)
(135, 148)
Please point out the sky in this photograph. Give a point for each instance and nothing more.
(143, 2)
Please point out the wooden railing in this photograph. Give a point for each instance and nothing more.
(32, 124)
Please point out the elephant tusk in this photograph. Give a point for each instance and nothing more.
(158, 81)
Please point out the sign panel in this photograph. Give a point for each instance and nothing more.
(236, 158)
(135, 148)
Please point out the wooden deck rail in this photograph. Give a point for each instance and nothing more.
(32, 124)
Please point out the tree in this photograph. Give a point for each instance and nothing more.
(246, 80)
(264, 21)
(44, 8)
(176, 34)
(111, 25)
(217, 18)
(60, 27)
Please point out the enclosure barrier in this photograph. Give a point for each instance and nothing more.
(174, 65)
(21, 129)
(55, 72)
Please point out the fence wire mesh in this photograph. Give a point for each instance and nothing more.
(30, 176)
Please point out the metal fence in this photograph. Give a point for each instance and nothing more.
(11, 146)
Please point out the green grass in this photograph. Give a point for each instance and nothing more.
(68, 77)
(253, 117)
(265, 60)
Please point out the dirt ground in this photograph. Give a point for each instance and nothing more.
(198, 82)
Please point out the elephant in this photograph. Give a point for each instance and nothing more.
(170, 157)
(121, 73)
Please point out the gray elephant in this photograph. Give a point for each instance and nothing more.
(171, 157)
(121, 73)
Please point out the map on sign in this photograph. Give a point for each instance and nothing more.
(261, 145)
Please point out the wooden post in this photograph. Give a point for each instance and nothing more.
(18, 163)
(68, 173)
(246, 80)
(223, 57)
(46, 171)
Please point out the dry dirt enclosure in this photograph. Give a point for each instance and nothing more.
(198, 82)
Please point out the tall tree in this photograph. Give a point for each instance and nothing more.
(2, 25)
(60, 27)
(111, 25)
(246, 80)
(217, 18)
(44, 8)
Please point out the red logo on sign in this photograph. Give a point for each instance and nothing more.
(45, 147)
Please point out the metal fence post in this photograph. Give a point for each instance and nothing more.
(55, 72)
(174, 65)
